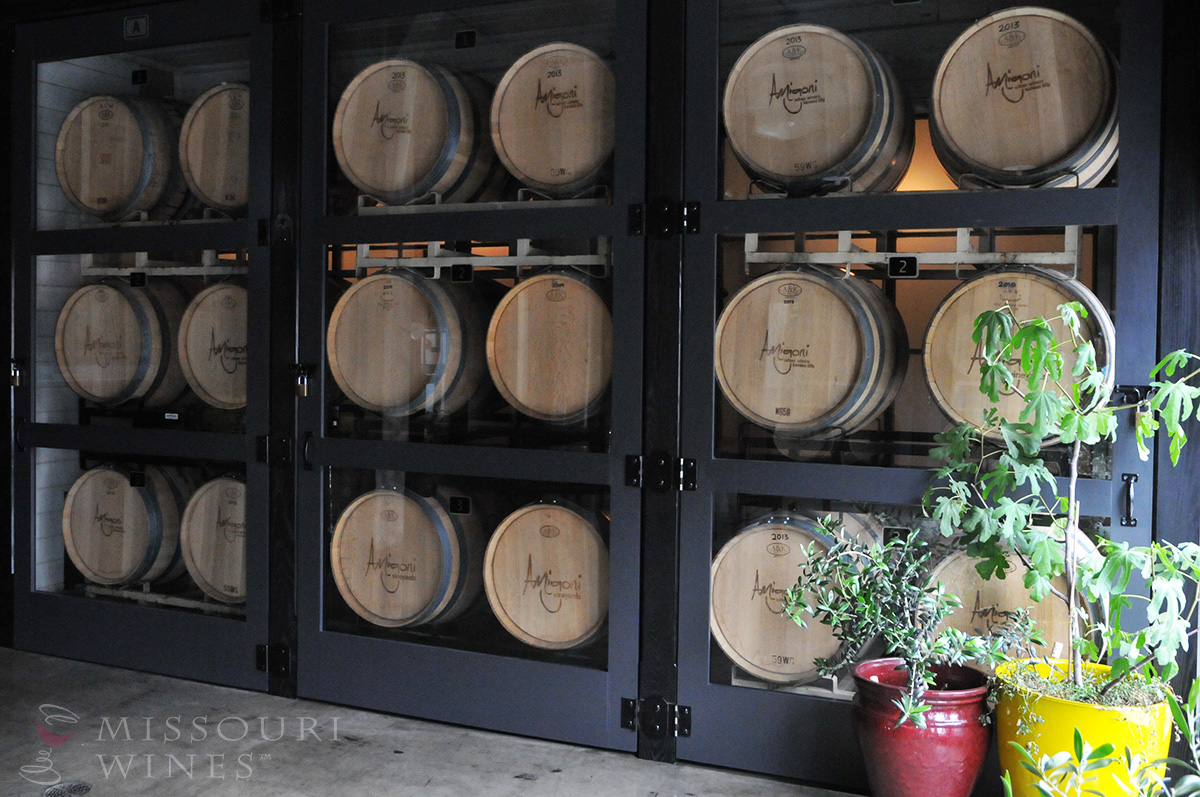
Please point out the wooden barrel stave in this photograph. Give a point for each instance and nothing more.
(400, 559)
(750, 577)
(1048, 112)
(213, 344)
(399, 343)
(214, 147)
(950, 357)
(116, 155)
(788, 127)
(213, 539)
(115, 343)
(549, 348)
(558, 154)
(545, 573)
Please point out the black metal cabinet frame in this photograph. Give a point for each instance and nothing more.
(145, 637)
(522, 695)
(775, 729)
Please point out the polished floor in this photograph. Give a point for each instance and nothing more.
(128, 733)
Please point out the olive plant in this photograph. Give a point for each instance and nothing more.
(868, 590)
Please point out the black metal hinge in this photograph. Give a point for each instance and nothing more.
(660, 472)
(273, 659)
(664, 218)
(274, 450)
(656, 717)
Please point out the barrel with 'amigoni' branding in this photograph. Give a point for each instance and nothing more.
(808, 108)
(552, 118)
(404, 130)
(804, 352)
(751, 575)
(546, 576)
(213, 538)
(214, 347)
(1026, 96)
(404, 559)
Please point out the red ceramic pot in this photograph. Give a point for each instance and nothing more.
(943, 758)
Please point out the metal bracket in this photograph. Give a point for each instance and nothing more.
(633, 470)
(657, 717)
(276, 452)
(1135, 394)
(664, 218)
(273, 659)
(661, 473)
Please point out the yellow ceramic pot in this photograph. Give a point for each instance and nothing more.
(1026, 717)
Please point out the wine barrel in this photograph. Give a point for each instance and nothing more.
(805, 353)
(214, 345)
(116, 343)
(214, 147)
(809, 109)
(116, 155)
(750, 578)
(1026, 96)
(984, 599)
(116, 533)
(403, 130)
(213, 539)
(552, 118)
(399, 343)
(546, 576)
(401, 559)
(952, 360)
(549, 348)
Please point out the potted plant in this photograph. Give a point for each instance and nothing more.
(994, 480)
(921, 715)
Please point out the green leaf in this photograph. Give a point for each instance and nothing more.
(1042, 410)
(1039, 352)
(993, 331)
(1085, 359)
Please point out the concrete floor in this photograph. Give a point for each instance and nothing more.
(315, 749)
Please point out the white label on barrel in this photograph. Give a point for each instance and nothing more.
(551, 591)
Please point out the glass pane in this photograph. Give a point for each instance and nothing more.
(499, 103)
(760, 544)
(819, 355)
(491, 565)
(151, 137)
(143, 339)
(164, 533)
(481, 342)
(850, 97)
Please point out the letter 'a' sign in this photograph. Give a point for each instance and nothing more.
(137, 27)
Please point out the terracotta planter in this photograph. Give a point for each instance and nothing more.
(943, 758)
(1050, 723)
